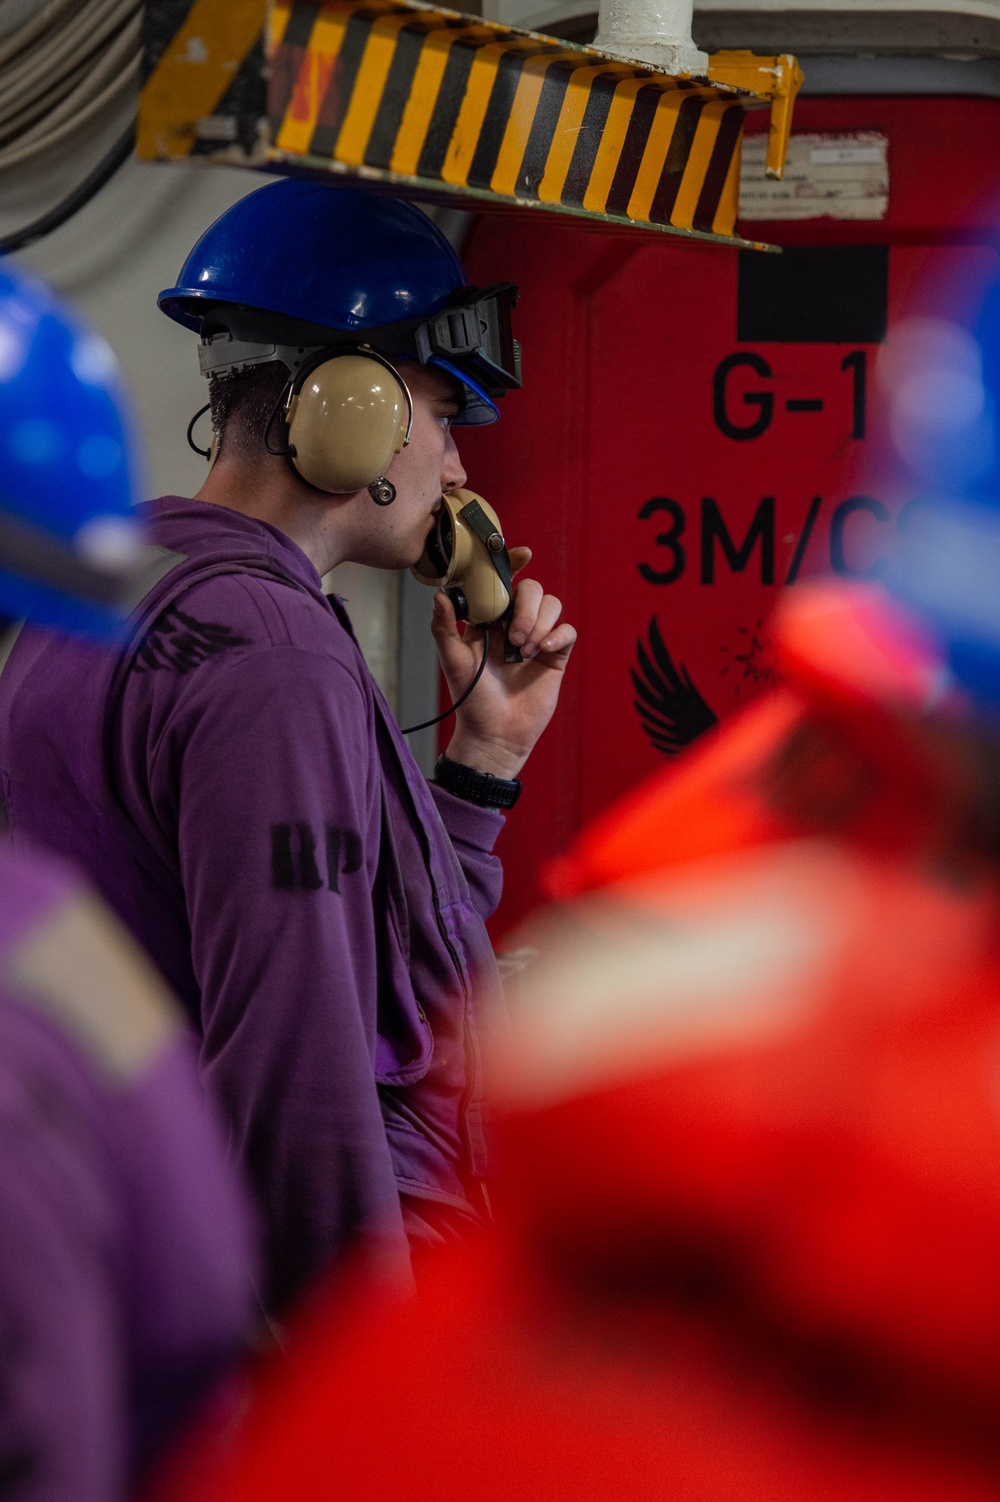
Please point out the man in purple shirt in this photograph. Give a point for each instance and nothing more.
(125, 1249)
(234, 781)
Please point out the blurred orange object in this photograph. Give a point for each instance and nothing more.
(750, 1247)
(857, 666)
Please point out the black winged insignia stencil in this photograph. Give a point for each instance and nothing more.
(672, 711)
(177, 643)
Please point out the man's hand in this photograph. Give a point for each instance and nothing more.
(512, 703)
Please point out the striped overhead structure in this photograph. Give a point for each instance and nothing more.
(451, 107)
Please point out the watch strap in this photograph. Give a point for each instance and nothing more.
(481, 788)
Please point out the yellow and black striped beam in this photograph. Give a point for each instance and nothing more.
(204, 87)
(447, 106)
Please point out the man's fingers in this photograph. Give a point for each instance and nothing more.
(558, 644)
(452, 647)
(546, 620)
(519, 559)
(444, 621)
(527, 600)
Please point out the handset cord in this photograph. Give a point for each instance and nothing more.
(462, 697)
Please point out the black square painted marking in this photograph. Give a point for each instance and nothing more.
(814, 294)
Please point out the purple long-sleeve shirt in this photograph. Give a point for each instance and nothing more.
(243, 798)
(125, 1268)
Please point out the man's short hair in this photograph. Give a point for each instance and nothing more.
(242, 405)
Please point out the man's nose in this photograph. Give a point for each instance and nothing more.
(453, 476)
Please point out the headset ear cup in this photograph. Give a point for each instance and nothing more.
(346, 421)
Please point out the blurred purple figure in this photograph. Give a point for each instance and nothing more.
(125, 1266)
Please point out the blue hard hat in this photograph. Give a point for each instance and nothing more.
(943, 384)
(342, 258)
(71, 545)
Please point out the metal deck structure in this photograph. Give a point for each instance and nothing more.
(455, 109)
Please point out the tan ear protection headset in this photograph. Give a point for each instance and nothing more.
(347, 413)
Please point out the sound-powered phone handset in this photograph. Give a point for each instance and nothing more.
(467, 557)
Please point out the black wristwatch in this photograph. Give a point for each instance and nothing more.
(476, 787)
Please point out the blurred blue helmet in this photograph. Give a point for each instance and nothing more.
(71, 547)
(942, 382)
(301, 266)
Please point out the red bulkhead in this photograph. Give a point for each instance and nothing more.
(700, 428)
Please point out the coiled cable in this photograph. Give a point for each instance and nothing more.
(480, 670)
(61, 68)
(65, 209)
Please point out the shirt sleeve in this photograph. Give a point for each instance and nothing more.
(473, 832)
(277, 831)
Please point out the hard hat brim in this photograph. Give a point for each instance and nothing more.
(479, 410)
(174, 301)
